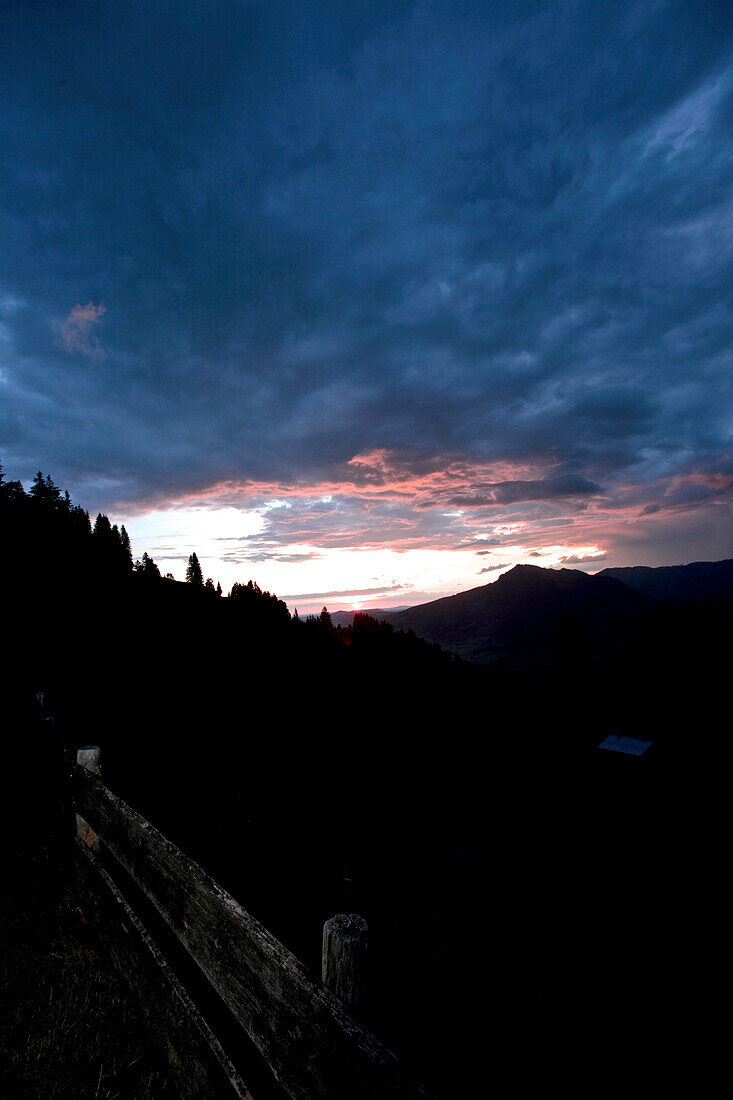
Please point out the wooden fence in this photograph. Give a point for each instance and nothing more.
(311, 1043)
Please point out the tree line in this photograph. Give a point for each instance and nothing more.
(46, 505)
(58, 540)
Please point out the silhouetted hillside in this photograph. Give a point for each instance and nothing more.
(700, 580)
(528, 614)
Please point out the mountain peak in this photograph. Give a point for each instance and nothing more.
(524, 611)
(541, 575)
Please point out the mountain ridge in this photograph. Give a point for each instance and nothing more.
(697, 580)
(526, 612)
(530, 613)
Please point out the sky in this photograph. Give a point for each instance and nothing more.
(370, 301)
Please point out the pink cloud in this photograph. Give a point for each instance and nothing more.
(76, 332)
(583, 559)
(392, 590)
(410, 500)
(689, 492)
(410, 478)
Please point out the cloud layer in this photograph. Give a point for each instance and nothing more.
(450, 266)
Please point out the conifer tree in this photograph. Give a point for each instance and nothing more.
(126, 548)
(38, 487)
(193, 571)
(147, 567)
(102, 526)
(44, 491)
(80, 520)
(53, 493)
(11, 491)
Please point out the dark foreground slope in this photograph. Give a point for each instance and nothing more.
(529, 614)
(68, 1025)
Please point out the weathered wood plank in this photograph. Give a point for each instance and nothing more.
(344, 944)
(314, 1048)
(196, 1061)
(89, 757)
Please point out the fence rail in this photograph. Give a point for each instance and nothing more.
(314, 1048)
(195, 1057)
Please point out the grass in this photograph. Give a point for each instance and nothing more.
(67, 1027)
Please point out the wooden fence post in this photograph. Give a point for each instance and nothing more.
(88, 757)
(344, 943)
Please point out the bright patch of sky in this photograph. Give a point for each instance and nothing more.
(170, 536)
(339, 578)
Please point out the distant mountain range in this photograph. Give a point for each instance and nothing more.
(699, 580)
(530, 613)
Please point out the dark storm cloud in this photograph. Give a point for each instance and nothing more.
(494, 568)
(511, 492)
(581, 559)
(253, 240)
